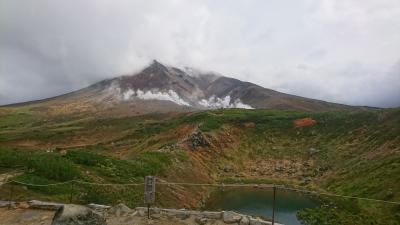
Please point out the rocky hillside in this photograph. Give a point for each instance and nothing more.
(350, 153)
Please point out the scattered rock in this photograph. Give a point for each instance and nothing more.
(231, 217)
(201, 220)
(77, 215)
(155, 216)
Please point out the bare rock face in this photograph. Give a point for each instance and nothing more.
(197, 140)
(77, 215)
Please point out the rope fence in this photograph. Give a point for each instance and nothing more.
(221, 185)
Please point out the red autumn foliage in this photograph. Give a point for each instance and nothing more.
(305, 122)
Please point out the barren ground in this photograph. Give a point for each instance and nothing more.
(44, 217)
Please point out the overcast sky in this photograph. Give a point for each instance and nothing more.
(345, 51)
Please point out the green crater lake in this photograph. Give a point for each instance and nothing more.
(258, 202)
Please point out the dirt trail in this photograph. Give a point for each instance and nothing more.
(25, 217)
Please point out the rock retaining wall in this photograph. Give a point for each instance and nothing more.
(228, 217)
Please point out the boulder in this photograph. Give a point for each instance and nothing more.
(258, 221)
(35, 204)
(77, 215)
(7, 204)
(120, 209)
(212, 215)
(181, 214)
(244, 221)
(197, 140)
(98, 207)
(23, 205)
(142, 211)
(231, 217)
(253, 221)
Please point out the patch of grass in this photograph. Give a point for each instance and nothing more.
(147, 163)
(62, 189)
(349, 213)
(18, 118)
(46, 165)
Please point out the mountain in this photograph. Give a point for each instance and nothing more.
(160, 88)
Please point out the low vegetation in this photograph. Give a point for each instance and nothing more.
(349, 153)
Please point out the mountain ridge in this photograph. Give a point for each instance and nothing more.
(169, 89)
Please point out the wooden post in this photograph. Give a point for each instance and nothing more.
(72, 192)
(11, 195)
(273, 206)
(148, 211)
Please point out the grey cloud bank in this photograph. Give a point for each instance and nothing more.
(345, 51)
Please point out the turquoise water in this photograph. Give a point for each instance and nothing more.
(258, 202)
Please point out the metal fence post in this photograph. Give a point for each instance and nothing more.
(273, 206)
(149, 192)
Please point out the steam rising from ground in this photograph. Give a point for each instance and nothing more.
(212, 103)
(215, 102)
(169, 95)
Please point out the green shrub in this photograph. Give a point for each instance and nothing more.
(12, 158)
(53, 167)
(85, 158)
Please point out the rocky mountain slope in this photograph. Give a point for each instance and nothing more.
(159, 88)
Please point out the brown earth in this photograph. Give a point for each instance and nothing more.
(305, 122)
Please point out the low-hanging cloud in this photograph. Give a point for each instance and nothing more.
(344, 51)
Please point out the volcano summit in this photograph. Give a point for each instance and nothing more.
(160, 88)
